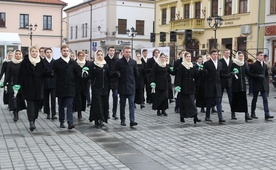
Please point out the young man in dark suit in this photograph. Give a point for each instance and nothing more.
(147, 82)
(259, 71)
(213, 94)
(226, 83)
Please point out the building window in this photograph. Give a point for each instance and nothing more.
(243, 6)
(140, 27)
(71, 33)
(164, 16)
(2, 19)
(186, 11)
(173, 13)
(47, 22)
(76, 32)
(122, 23)
(228, 7)
(272, 6)
(197, 9)
(24, 20)
(85, 30)
(82, 30)
(214, 8)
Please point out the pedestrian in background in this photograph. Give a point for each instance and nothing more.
(170, 88)
(159, 85)
(30, 81)
(79, 103)
(150, 63)
(250, 91)
(111, 59)
(49, 85)
(185, 85)
(99, 72)
(146, 76)
(67, 71)
(3, 71)
(16, 101)
(200, 86)
(259, 73)
(127, 71)
(139, 94)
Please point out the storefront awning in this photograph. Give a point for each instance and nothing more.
(7, 38)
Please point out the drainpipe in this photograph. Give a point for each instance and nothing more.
(258, 25)
(154, 22)
(90, 39)
(61, 30)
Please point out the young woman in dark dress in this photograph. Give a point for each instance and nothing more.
(185, 85)
(99, 72)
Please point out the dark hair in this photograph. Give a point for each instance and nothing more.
(154, 51)
(181, 51)
(199, 57)
(64, 46)
(213, 51)
(47, 49)
(259, 52)
(227, 50)
(144, 50)
(110, 47)
(42, 48)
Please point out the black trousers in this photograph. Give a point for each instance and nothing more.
(47, 93)
(33, 107)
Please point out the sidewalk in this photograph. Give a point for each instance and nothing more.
(157, 143)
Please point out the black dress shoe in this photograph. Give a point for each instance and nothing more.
(115, 117)
(164, 113)
(182, 119)
(233, 116)
(48, 116)
(254, 117)
(159, 113)
(133, 124)
(123, 123)
(208, 119)
(202, 110)
(269, 117)
(196, 120)
(71, 126)
(221, 121)
(32, 126)
(142, 106)
(62, 125)
(54, 117)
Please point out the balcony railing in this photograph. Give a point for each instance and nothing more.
(187, 24)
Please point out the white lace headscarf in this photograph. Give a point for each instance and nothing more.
(236, 59)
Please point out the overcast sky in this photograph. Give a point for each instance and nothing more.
(71, 3)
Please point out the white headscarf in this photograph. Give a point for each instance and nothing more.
(81, 63)
(159, 62)
(7, 57)
(14, 60)
(237, 61)
(187, 64)
(98, 62)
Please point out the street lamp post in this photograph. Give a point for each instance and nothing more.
(131, 33)
(31, 28)
(217, 23)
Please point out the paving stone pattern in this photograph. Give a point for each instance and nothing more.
(157, 142)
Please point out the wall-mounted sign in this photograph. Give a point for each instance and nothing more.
(270, 30)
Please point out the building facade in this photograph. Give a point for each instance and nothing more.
(269, 29)
(98, 24)
(239, 30)
(44, 17)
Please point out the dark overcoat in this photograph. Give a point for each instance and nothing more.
(259, 83)
(239, 84)
(30, 78)
(49, 76)
(99, 79)
(185, 78)
(66, 77)
(3, 69)
(226, 82)
(212, 84)
(128, 74)
(113, 82)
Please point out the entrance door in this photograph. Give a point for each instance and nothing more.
(193, 48)
(273, 52)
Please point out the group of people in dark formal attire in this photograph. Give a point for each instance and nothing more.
(38, 79)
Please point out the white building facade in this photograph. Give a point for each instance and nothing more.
(98, 24)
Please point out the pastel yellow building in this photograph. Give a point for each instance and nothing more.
(239, 30)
